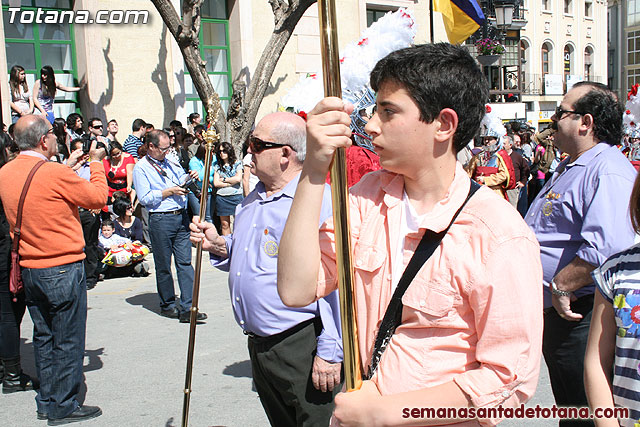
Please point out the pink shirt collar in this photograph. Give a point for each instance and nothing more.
(440, 217)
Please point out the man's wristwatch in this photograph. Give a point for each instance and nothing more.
(557, 292)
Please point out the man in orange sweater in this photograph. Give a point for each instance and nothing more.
(51, 251)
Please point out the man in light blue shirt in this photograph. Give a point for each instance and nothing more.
(159, 186)
(285, 343)
(581, 218)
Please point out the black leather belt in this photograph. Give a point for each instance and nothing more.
(272, 339)
(176, 212)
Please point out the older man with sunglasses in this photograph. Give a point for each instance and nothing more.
(285, 344)
(580, 217)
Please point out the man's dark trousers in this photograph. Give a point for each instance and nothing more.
(282, 375)
(169, 234)
(91, 230)
(564, 345)
(57, 301)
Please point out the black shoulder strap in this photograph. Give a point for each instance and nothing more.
(393, 316)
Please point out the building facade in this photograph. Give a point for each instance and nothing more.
(136, 70)
(623, 45)
(564, 41)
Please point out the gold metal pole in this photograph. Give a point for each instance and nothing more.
(339, 196)
(211, 137)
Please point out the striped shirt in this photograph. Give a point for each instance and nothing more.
(618, 280)
(131, 145)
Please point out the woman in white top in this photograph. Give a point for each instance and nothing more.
(21, 99)
(44, 90)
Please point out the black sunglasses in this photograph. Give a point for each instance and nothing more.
(257, 145)
(97, 127)
(560, 112)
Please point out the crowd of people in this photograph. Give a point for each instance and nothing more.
(107, 195)
(470, 261)
(229, 180)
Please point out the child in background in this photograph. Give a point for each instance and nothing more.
(108, 239)
(611, 364)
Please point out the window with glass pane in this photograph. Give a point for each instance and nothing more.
(633, 12)
(633, 77)
(214, 49)
(35, 45)
(374, 14)
(568, 4)
(51, 4)
(545, 59)
(633, 48)
(511, 53)
(588, 5)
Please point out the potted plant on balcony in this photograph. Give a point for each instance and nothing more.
(489, 51)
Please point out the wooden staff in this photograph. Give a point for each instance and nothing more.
(339, 196)
(211, 137)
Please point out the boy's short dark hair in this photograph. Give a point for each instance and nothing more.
(137, 124)
(438, 76)
(107, 223)
(192, 117)
(199, 128)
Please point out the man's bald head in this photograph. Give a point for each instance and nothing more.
(28, 131)
(287, 128)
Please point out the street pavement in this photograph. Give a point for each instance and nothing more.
(135, 362)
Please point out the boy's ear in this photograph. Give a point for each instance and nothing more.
(448, 121)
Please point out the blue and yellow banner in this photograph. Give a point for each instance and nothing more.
(461, 18)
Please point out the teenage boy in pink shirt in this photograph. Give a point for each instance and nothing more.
(471, 329)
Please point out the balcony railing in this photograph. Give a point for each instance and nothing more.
(519, 20)
(533, 84)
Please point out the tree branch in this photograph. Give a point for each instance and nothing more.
(287, 15)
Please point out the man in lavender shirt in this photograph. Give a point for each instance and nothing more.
(296, 353)
(580, 218)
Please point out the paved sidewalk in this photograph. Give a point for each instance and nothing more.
(135, 362)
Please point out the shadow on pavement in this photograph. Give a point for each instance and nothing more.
(239, 369)
(147, 300)
(95, 362)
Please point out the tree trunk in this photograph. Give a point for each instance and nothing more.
(245, 102)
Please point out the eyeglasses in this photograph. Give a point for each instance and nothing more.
(97, 127)
(49, 131)
(257, 145)
(560, 112)
(165, 149)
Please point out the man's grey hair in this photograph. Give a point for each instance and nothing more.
(154, 136)
(28, 137)
(296, 136)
